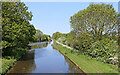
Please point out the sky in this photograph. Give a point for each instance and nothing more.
(51, 17)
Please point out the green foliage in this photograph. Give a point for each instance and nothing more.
(84, 61)
(56, 35)
(104, 50)
(17, 32)
(96, 19)
(6, 64)
(45, 37)
(37, 36)
(94, 32)
(40, 37)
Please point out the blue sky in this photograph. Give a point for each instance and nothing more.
(50, 17)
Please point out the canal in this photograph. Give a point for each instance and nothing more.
(43, 58)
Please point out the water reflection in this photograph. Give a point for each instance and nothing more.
(38, 45)
(71, 67)
(25, 65)
(42, 58)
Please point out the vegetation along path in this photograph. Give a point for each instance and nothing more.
(86, 64)
(79, 58)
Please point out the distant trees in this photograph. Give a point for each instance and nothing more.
(37, 36)
(56, 35)
(17, 32)
(40, 37)
(45, 38)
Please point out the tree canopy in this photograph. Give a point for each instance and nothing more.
(17, 32)
(96, 19)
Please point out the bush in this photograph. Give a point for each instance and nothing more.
(15, 53)
(104, 50)
(6, 64)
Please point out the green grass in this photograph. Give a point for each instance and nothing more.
(88, 65)
(6, 64)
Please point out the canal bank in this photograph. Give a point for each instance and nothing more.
(69, 58)
(86, 64)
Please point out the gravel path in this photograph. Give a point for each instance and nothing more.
(64, 45)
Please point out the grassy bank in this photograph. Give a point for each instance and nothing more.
(87, 64)
(6, 64)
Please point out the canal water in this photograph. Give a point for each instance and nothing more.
(43, 58)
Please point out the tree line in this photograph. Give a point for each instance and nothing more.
(40, 37)
(94, 33)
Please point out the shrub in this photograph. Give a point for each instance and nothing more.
(104, 50)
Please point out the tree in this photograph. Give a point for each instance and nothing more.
(56, 35)
(38, 35)
(97, 19)
(17, 32)
(95, 32)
